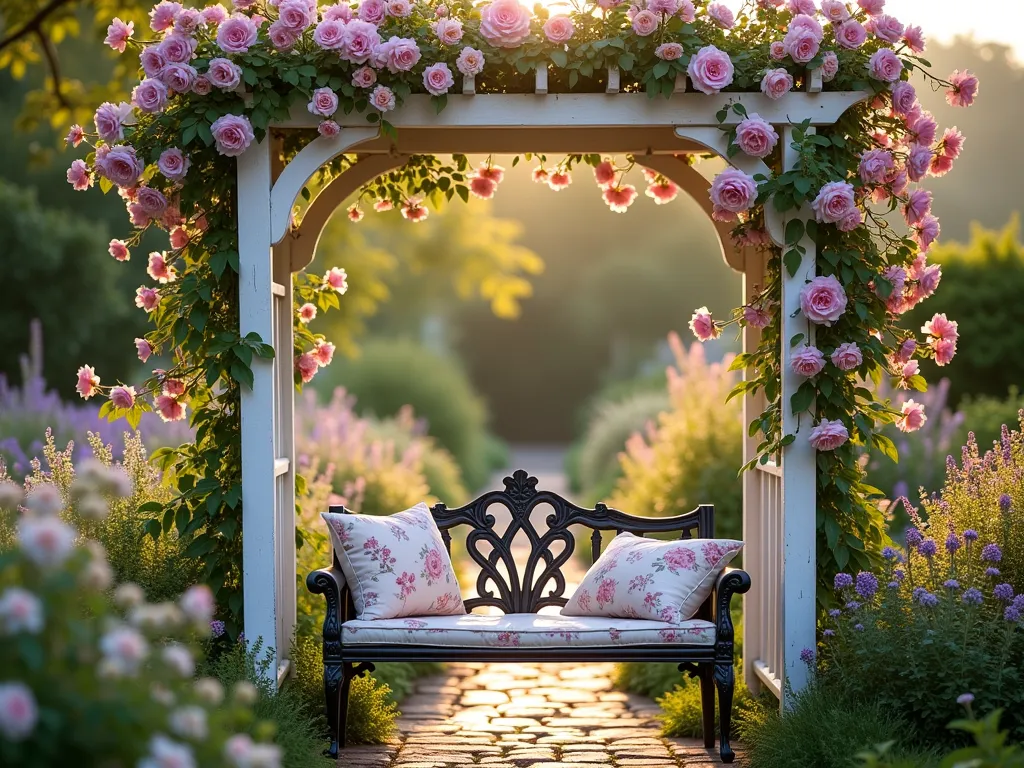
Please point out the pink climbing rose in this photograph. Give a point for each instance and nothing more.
(144, 349)
(118, 34)
(912, 417)
(306, 365)
(78, 175)
(470, 62)
(710, 70)
(828, 435)
(734, 191)
(173, 164)
(776, 83)
(847, 357)
(885, 65)
(122, 397)
(619, 198)
(337, 279)
(236, 34)
(807, 361)
(88, 382)
(119, 250)
(834, 202)
(559, 29)
(823, 300)
(505, 23)
(438, 79)
(669, 51)
(324, 102)
(703, 326)
(232, 134)
(147, 298)
(756, 136)
(963, 90)
(645, 22)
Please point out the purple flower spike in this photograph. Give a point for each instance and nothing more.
(973, 596)
(867, 585)
(925, 598)
(1003, 592)
(889, 553)
(928, 548)
(991, 553)
(899, 574)
(951, 584)
(971, 535)
(1011, 614)
(807, 656)
(835, 613)
(217, 628)
(992, 572)
(914, 537)
(853, 605)
(858, 627)
(953, 543)
(843, 580)
(1004, 503)
(893, 585)
(964, 699)
(829, 633)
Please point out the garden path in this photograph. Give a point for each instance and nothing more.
(529, 715)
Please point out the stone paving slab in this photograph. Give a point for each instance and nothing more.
(529, 716)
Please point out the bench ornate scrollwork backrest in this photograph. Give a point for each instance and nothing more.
(525, 588)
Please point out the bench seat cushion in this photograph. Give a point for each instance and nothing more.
(525, 630)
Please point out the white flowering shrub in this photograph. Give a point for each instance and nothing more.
(92, 674)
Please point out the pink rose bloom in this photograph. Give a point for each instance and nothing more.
(119, 250)
(232, 134)
(885, 65)
(328, 129)
(448, 31)
(828, 435)
(801, 6)
(776, 83)
(296, 15)
(802, 44)
(833, 202)
(109, 119)
(645, 23)
(806, 361)
(875, 165)
(364, 77)
(120, 165)
(78, 175)
(88, 382)
(907, 372)
(330, 34)
(355, 214)
(505, 23)
(236, 34)
(669, 51)
(835, 10)
(177, 49)
(662, 192)
(914, 39)
(122, 397)
(703, 326)
(756, 317)
(178, 77)
(224, 74)
(619, 198)
(829, 66)
(307, 312)
(372, 11)
(178, 238)
(924, 128)
(604, 173)
(361, 41)
(147, 298)
(667, 7)
(338, 12)
(918, 161)
(323, 352)
(307, 367)
(952, 143)
(174, 387)
(144, 349)
(918, 205)
(912, 417)
(282, 38)
(927, 232)
(941, 327)
(212, 15)
(437, 79)
(337, 279)
(118, 33)
(721, 15)
(847, 357)
(906, 351)
(559, 29)
(159, 269)
(904, 98)
(851, 34)
(687, 13)
(734, 191)
(964, 89)
(756, 136)
(470, 62)
(777, 51)
(807, 24)
(945, 350)
(151, 201)
(399, 8)
(382, 98)
(559, 179)
(202, 85)
(852, 219)
(482, 187)
(77, 133)
(161, 17)
(886, 28)
(710, 70)
(169, 408)
(187, 21)
(823, 300)
(871, 7)
(324, 102)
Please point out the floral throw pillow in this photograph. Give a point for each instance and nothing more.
(395, 566)
(637, 578)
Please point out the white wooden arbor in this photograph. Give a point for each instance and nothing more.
(778, 501)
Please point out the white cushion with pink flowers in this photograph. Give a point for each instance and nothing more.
(637, 578)
(525, 630)
(396, 565)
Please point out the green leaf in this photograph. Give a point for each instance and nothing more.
(242, 374)
(204, 133)
(661, 69)
(626, 62)
(792, 260)
(886, 446)
(802, 398)
(794, 231)
(560, 58)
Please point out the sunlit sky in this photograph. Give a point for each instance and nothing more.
(1000, 21)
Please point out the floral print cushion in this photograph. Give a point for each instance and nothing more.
(637, 578)
(525, 630)
(397, 565)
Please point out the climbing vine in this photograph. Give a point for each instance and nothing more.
(213, 82)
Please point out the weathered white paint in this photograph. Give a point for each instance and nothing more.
(718, 142)
(540, 84)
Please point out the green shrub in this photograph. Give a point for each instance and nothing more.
(650, 679)
(682, 710)
(696, 451)
(389, 375)
(984, 416)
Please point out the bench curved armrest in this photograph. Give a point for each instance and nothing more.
(733, 581)
(330, 582)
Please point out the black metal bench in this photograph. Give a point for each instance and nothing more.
(528, 587)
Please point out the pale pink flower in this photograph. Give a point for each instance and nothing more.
(801, 44)
(338, 12)
(174, 387)
(373, 11)
(852, 219)
(399, 54)
(399, 8)
(912, 417)
(147, 298)
(78, 175)
(212, 15)
(198, 605)
(337, 279)
(169, 408)
(851, 34)
(927, 232)
(924, 128)
(361, 41)
(296, 15)
(776, 83)
(604, 173)
(187, 21)
(806, 360)
(18, 711)
(161, 17)
(756, 317)
(448, 31)
(847, 357)
(150, 96)
(885, 66)
(355, 214)
(876, 165)
(886, 28)
(669, 51)
(952, 143)
(687, 13)
(703, 326)
(236, 34)
(619, 198)
(662, 192)
(88, 382)
(918, 205)
(559, 29)
(559, 179)
(441, 11)
(144, 349)
(173, 164)
(835, 10)
(734, 191)
(645, 22)
(919, 159)
(382, 98)
(330, 34)
(470, 62)
(777, 50)
(75, 136)
(323, 353)
(383, 205)
(281, 37)
(151, 201)
(324, 102)
(805, 7)
(307, 312)
(224, 74)
(539, 175)
(829, 66)
(20, 611)
(904, 98)
(964, 89)
(823, 300)
(438, 79)
(118, 34)
(871, 7)
(328, 129)
(119, 250)
(109, 119)
(834, 201)
(828, 435)
(914, 39)
(124, 650)
(505, 23)
(177, 49)
(122, 397)
(364, 77)
(941, 327)
(722, 15)
(944, 350)
(159, 269)
(307, 367)
(482, 187)
(46, 540)
(710, 70)
(908, 371)
(232, 134)
(756, 136)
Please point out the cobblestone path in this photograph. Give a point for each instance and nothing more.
(529, 716)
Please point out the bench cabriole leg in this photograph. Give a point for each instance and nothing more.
(707, 703)
(725, 679)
